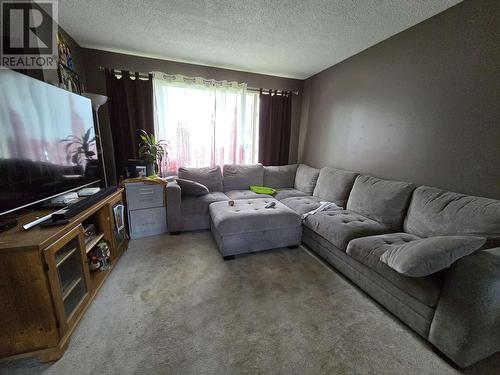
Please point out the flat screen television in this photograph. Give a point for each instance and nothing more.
(47, 142)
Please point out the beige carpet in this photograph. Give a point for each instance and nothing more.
(172, 306)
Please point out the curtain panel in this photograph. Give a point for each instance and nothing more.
(275, 127)
(130, 104)
(206, 122)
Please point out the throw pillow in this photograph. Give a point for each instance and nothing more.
(192, 188)
(263, 190)
(426, 256)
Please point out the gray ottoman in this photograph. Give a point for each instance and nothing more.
(249, 226)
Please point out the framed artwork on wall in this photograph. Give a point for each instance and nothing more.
(69, 80)
(64, 50)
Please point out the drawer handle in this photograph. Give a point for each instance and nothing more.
(146, 191)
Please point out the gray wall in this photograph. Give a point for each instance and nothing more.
(96, 83)
(422, 106)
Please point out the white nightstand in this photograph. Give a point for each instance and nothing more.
(146, 208)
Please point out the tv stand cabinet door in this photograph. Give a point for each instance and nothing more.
(69, 277)
(27, 317)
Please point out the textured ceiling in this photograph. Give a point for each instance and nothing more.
(288, 38)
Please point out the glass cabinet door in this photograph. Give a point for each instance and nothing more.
(68, 275)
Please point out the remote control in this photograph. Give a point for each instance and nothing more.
(50, 223)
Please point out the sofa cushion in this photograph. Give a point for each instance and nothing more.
(334, 185)
(240, 177)
(435, 212)
(301, 205)
(250, 215)
(287, 193)
(211, 177)
(245, 194)
(340, 227)
(193, 188)
(305, 178)
(282, 176)
(199, 205)
(381, 200)
(425, 256)
(368, 251)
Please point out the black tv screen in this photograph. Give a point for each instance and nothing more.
(47, 141)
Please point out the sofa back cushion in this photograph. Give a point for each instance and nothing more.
(241, 177)
(384, 201)
(436, 212)
(281, 176)
(334, 185)
(305, 178)
(211, 177)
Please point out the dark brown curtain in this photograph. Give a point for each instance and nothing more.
(274, 127)
(130, 103)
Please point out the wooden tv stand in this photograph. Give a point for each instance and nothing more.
(45, 283)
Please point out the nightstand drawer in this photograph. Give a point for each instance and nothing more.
(147, 222)
(144, 195)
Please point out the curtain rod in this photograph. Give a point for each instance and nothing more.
(101, 68)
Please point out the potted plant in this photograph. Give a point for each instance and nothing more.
(152, 151)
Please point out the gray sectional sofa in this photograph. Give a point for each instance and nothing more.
(457, 309)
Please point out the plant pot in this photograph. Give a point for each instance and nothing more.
(150, 169)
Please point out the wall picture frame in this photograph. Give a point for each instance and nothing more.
(64, 51)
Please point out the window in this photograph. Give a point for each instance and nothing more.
(206, 122)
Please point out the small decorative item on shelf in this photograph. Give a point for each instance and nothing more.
(98, 257)
(152, 151)
(103, 255)
(93, 260)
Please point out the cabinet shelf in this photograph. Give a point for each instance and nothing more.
(66, 291)
(93, 242)
(61, 258)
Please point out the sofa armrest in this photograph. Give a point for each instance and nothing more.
(466, 324)
(174, 215)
